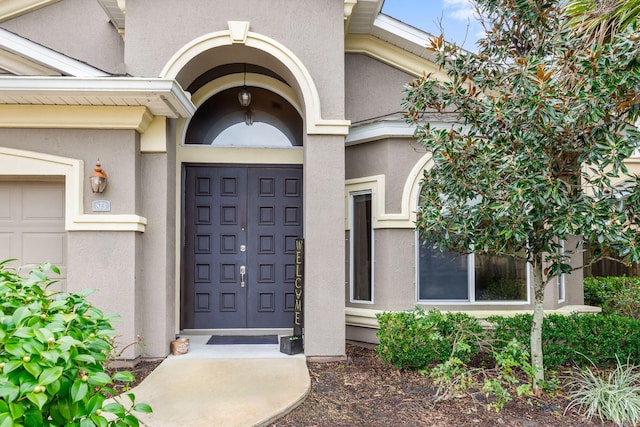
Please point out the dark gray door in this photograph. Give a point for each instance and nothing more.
(240, 227)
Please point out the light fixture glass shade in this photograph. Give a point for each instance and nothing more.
(98, 179)
(244, 97)
(248, 117)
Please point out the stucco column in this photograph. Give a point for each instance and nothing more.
(324, 246)
(108, 262)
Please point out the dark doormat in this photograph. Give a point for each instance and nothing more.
(243, 339)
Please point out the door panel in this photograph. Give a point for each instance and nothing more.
(275, 222)
(240, 218)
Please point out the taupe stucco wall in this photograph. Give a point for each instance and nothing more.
(158, 289)
(394, 158)
(79, 29)
(114, 278)
(118, 150)
(311, 29)
(372, 88)
(324, 249)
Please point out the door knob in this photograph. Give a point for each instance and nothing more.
(243, 271)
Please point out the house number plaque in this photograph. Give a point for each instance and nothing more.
(101, 206)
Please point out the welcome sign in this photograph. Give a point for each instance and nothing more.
(298, 322)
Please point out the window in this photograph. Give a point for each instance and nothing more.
(448, 276)
(361, 248)
(221, 122)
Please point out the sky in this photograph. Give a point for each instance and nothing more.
(457, 18)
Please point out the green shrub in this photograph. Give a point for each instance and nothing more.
(612, 396)
(53, 348)
(574, 339)
(416, 339)
(616, 295)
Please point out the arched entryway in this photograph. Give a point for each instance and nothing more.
(241, 218)
(214, 63)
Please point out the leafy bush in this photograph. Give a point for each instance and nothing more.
(616, 295)
(613, 396)
(575, 338)
(415, 339)
(53, 348)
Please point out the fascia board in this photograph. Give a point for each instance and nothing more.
(167, 91)
(11, 8)
(46, 57)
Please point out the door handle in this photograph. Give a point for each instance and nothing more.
(243, 272)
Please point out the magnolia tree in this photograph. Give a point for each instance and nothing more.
(543, 127)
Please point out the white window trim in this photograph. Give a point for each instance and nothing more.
(351, 249)
(471, 273)
(561, 281)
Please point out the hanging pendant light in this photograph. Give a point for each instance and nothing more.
(244, 96)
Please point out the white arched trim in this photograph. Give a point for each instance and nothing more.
(311, 99)
(376, 184)
(17, 163)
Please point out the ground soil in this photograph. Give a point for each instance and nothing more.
(362, 391)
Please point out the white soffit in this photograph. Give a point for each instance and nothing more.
(12, 8)
(42, 57)
(115, 10)
(163, 97)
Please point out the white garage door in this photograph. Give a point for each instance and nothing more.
(32, 223)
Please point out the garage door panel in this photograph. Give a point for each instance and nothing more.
(40, 247)
(7, 196)
(43, 202)
(32, 224)
(6, 245)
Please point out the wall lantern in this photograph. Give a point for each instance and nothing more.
(98, 180)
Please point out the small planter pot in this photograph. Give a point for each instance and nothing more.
(291, 345)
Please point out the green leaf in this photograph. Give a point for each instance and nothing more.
(131, 421)
(9, 391)
(99, 378)
(95, 402)
(17, 410)
(85, 358)
(20, 314)
(124, 376)
(114, 408)
(23, 332)
(33, 368)
(99, 420)
(38, 399)
(49, 375)
(43, 334)
(142, 407)
(11, 365)
(79, 390)
(87, 422)
(5, 420)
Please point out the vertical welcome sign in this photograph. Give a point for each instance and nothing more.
(298, 318)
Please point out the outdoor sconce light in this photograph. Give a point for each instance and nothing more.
(98, 180)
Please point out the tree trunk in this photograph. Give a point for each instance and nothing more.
(537, 361)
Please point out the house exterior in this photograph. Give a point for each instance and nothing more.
(207, 193)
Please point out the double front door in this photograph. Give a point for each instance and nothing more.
(240, 228)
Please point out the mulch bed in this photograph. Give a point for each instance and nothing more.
(362, 391)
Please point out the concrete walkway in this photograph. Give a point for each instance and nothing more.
(220, 385)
